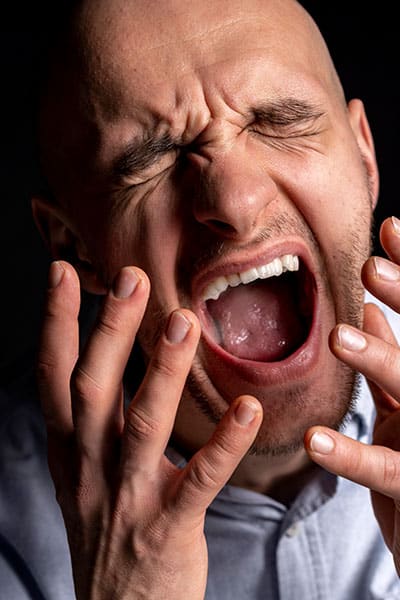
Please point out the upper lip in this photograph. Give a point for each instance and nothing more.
(228, 266)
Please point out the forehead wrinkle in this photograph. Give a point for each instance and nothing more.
(200, 36)
(125, 40)
(95, 92)
(127, 35)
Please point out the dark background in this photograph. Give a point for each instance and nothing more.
(362, 42)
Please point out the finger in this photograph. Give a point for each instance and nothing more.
(376, 467)
(375, 358)
(58, 349)
(382, 278)
(210, 469)
(375, 324)
(390, 238)
(96, 383)
(150, 416)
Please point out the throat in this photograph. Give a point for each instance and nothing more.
(280, 479)
(261, 321)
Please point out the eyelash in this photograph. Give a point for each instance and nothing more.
(134, 186)
(294, 141)
(287, 136)
(278, 140)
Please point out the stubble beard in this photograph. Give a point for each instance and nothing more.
(287, 418)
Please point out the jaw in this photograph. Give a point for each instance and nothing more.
(291, 406)
(304, 387)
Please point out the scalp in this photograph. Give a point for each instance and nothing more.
(107, 42)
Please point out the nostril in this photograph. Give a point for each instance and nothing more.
(221, 226)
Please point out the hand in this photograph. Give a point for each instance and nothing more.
(134, 520)
(375, 353)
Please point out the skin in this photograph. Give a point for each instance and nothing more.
(252, 178)
(232, 190)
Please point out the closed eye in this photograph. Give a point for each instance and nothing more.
(290, 138)
(161, 167)
(287, 121)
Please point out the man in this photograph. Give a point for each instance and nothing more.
(209, 179)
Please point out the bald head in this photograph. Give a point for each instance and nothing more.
(121, 56)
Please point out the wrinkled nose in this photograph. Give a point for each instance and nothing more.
(233, 194)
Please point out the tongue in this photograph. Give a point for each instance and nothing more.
(258, 321)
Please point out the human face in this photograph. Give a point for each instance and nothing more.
(218, 140)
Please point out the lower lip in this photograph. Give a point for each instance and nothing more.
(292, 368)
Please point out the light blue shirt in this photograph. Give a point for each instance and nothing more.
(326, 546)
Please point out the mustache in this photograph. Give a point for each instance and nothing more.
(198, 257)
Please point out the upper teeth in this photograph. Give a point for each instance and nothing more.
(276, 267)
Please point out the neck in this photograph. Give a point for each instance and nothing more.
(280, 477)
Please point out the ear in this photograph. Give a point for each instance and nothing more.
(63, 243)
(362, 132)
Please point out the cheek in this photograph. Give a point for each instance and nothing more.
(334, 199)
(157, 251)
(157, 256)
(140, 234)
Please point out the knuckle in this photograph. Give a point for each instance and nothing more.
(356, 461)
(163, 366)
(109, 322)
(203, 475)
(46, 368)
(391, 470)
(390, 362)
(142, 543)
(225, 446)
(140, 425)
(51, 310)
(56, 309)
(84, 385)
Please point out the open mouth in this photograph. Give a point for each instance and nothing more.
(264, 314)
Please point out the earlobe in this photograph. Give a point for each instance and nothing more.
(63, 243)
(363, 135)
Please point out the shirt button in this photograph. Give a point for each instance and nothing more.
(293, 530)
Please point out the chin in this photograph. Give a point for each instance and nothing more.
(285, 422)
(289, 409)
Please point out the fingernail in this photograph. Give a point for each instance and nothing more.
(322, 443)
(386, 270)
(56, 273)
(351, 339)
(396, 225)
(125, 283)
(178, 326)
(245, 412)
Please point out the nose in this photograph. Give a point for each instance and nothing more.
(234, 190)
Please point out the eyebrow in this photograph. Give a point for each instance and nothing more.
(286, 111)
(140, 154)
